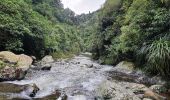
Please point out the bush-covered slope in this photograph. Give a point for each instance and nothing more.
(37, 27)
(135, 30)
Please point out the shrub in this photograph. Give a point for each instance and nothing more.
(156, 56)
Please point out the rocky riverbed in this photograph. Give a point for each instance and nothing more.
(81, 78)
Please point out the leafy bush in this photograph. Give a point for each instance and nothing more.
(156, 56)
(2, 64)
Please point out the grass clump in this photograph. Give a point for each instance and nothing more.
(156, 56)
(59, 55)
(2, 64)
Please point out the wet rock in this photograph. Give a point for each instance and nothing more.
(121, 76)
(123, 72)
(138, 88)
(152, 95)
(44, 64)
(159, 88)
(19, 98)
(114, 91)
(89, 65)
(79, 97)
(34, 59)
(47, 59)
(147, 99)
(125, 66)
(11, 74)
(3, 97)
(87, 54)
(46, 67)
(18, 92)
(54, 96)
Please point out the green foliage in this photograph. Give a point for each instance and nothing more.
(63, 55)
(2, 64)
(156, 56)
(126, 26)
(37, 27)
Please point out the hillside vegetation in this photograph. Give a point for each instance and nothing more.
(37, 27)
(134, 30)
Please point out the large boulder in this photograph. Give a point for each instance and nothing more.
(125, 66)
(47, 59)
(12, 66)
(125, 71)
(113, 91)
(21, 61)
(45, 64)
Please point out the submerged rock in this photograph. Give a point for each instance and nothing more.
(17, 92)
(54, 96)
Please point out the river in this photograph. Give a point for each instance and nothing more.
(80, 78)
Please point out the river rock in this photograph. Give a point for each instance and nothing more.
(57, 95)
(21, 61)
(46, 67)
(112, 91)
(11, 74)
(125, 66)
(159, 88)
(125, 71)
(89, 65)
(152, 95)
(147, 99)
(44, 64)
(13, 67)
(138, 88)
(17, 92)
(47, 59)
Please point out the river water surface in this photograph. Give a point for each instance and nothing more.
(80, 78)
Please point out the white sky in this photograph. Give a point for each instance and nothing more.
(83, 6)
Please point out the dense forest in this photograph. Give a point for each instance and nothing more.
(132, 30)
(37, 27)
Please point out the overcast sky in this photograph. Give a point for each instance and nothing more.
(83, 6)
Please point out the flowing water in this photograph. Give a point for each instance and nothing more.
(74, 77)
(79, 78)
